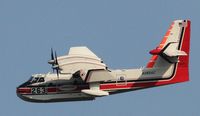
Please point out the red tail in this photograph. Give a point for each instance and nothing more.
(182, 73)
(182, 66)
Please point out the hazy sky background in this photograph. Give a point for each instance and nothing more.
(121, 32)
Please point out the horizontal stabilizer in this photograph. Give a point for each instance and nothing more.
(95, 92)
(169, 52)
(156, 51)
(175, 53)
(172, 51)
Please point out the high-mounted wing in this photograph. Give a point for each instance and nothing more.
(79, 58)
(81, 51)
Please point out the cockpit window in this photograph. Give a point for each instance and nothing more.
(41, 79)
(36, 79)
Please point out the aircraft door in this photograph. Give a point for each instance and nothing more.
(121, 80)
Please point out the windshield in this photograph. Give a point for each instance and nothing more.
(32, 80)
(36, 79)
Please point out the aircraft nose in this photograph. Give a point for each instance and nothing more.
(22, 93)
(23, 89)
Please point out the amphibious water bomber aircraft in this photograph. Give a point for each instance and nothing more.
(81, 75)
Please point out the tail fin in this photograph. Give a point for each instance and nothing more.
(174, 49)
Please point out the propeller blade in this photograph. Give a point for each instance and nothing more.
(57, 71)
(52, 56)
(56, 62)
(52, 62)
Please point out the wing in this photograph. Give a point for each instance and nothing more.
(80, 58)
(81, 51)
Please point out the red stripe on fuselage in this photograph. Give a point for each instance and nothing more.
(24, 90)
(129, 85)
(52, 89)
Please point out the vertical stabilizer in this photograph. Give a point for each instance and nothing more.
(173, 51)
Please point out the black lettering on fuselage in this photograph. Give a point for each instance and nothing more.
(148, 72)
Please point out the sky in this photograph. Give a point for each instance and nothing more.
(121, 32)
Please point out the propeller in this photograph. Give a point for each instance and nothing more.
(54, 62)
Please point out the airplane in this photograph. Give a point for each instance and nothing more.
(82, 75)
